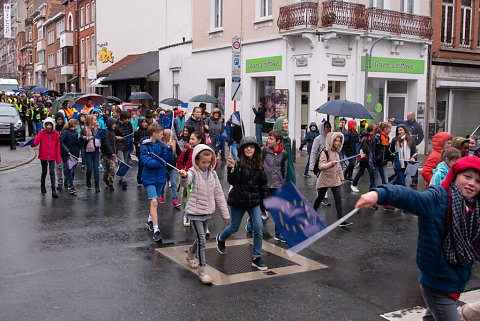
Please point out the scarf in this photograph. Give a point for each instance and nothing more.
(279, 150)
(462, 232)
(278, 126)
(403, 152)
(384, 137)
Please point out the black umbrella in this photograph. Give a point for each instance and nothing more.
(52, 93)
(113, 99)
(172, 102)
(204, 98)
(141, 95)
(344, 108)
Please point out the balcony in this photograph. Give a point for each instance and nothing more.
(67, 70)
(41, 45)
(351, 16)
(66, 39)
(40, 67)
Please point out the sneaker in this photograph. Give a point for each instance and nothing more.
(203, 276)
(111, 188)
(83, 167)
(354, 189)
(186, 221)
(72, 190)
(139, 180)
(388, 208)
(307, 175)
(157, 237)
(264, 216)
(258, 263)
(345, 224)
(100, 168)
(124, 187)
(169, 184)
(326, 202)
(221, 248)
(249, 226)
(59, 187)
(279, 237)
(162, 199)
(176, 203)
(149, 225)
(192, 263)
(207, 232)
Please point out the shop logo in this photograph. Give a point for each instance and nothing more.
(264, 64)
(382, 64)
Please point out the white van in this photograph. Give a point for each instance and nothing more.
(8, 85)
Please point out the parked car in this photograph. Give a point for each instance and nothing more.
(9, 114)
(9, 86)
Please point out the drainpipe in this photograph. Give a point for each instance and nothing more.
(77, 18)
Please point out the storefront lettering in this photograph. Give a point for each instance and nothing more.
(264, 64)
(399, 66)
(383, 64)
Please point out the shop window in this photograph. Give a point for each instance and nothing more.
(466, 23)
(447, 23)
(266, 94)
(218, 90)
(376, 87)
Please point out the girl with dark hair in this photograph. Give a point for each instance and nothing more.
(403, 146)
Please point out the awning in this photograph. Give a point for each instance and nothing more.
(138, 69)
(97, 83)
(73, 79)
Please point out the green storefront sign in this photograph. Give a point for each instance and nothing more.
(264, 64)
(408, 66)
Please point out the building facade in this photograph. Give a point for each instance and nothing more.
(8, 45)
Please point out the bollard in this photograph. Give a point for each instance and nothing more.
(13, 144)
(294, 150)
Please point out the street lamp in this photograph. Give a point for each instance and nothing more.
(368, 61)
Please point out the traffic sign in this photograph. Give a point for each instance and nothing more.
(236, 44)
(236, 65)
(236, 91)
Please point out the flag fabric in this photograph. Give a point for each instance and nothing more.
(29, 143)
(39, 127)
(412, 168)
(166, 120)
(100, 133)
(184, 105)
(129, 139)
(71, 161)
(122, 169)
(397, 163)
(218, 140)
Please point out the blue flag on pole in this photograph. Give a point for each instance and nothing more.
(71, 161)
(184, 105)
(412, 168)
(122, 169)
(29, 143)
(294, 216)
(129, 139)
(218, 140)
(397, 163)
(166, 121)
(100, 133)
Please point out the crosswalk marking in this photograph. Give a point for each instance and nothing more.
(416, 313)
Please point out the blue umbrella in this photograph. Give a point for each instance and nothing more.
(344, 108)
(39, 89)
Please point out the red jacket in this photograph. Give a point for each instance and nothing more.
(183, 163)
(438, 142)
(49, 145)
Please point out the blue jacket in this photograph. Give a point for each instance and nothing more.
(154, 171)
(431, 208)
(310, 137)
(69, 143)
(439, 174)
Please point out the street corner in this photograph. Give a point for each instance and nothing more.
(10, 159)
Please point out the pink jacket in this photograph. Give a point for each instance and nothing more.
(206, 193)
(49, 145)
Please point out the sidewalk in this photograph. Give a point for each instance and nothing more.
(14, 158)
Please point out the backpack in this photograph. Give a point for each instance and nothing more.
(284, 159)
(316, 169)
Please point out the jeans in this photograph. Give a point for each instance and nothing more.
(383, 173)
(440, 307)
(364, 166)
(351, 165)
(83, 152)
(172, 174)
(123, 156)
(92, 164)
(236, 218)
(198, 245)
(51, 168)
(337, 195)
(234, 151)
(60, 170)
(71, 176)
(305, 172)
(140, 168)
(258, 133)
(400, 178)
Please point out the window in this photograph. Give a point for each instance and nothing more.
(29, 34)
(41, 57)
(51, 60)
(217, 13)
(377, 4)
(93, 47)
(40, 34)
(87, 50)
(466, 23)
(60, 27)
(67, 56)
(406, 6)
(82, 13)
(447, 23)
(51, 36)
(87, 14)
(70, 22)
(93, 12)
(30, 57)
(59, 58)
(265, 8)
(82, 51)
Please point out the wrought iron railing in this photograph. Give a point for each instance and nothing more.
(351, 15)
(302, 14)
(399, 23)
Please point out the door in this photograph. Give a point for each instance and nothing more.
(396, 107)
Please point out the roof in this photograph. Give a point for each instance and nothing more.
(120, 64)
(145, 65)
(176, 44)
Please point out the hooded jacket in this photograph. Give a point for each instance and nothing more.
(59, 128)
(49, 141)
(198, 124)
(108, 142)
(364, 146)
(154, 170)
(272, 164)
(318, 144)
(310, 137)
(331, 175)
(100, 120)
(123, 130)
(214, 126)
(438, 142)
(439, 174)
(69, 143)
(351, 139)
(431, 208)
(249, 186)
(206, 192)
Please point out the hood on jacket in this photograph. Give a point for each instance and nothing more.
(313, 124)
(404, 128)
(352, 125)
(364, 133)
(321, 129)
(95, 110)
(59, 114)
(331, 138)
(248, 140)
(469, 162)
(439, 140)
(197, 150)
(442, 167)
(49, 120)
(109, 123)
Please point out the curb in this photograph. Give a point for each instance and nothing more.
(33, 154)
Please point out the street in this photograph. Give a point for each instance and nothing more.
(90, 256)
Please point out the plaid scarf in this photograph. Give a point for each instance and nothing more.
(462, 232)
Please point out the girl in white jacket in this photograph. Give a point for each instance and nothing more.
(204, 193)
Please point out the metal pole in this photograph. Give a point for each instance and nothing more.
(368, 61)
(12, 137)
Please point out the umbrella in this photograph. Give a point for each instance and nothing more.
(39, 89)
(141, 95)
(344, 108)
(204, 98)
(57, 104)
(113, 99)
(52, 93)
(96, 99)
(172, 102)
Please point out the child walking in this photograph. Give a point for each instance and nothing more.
(154, 173)
(59, 124)
(124, 128)
(309, 138)
(92, 151)
(70, 146)
(363, 159)
(205, 193)
(49, 153)
(249, 182)
(107, 147)
(140, 133)
(448, 233)
(449, 156)
(171, 172)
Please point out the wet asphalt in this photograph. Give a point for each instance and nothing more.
(90, 257)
